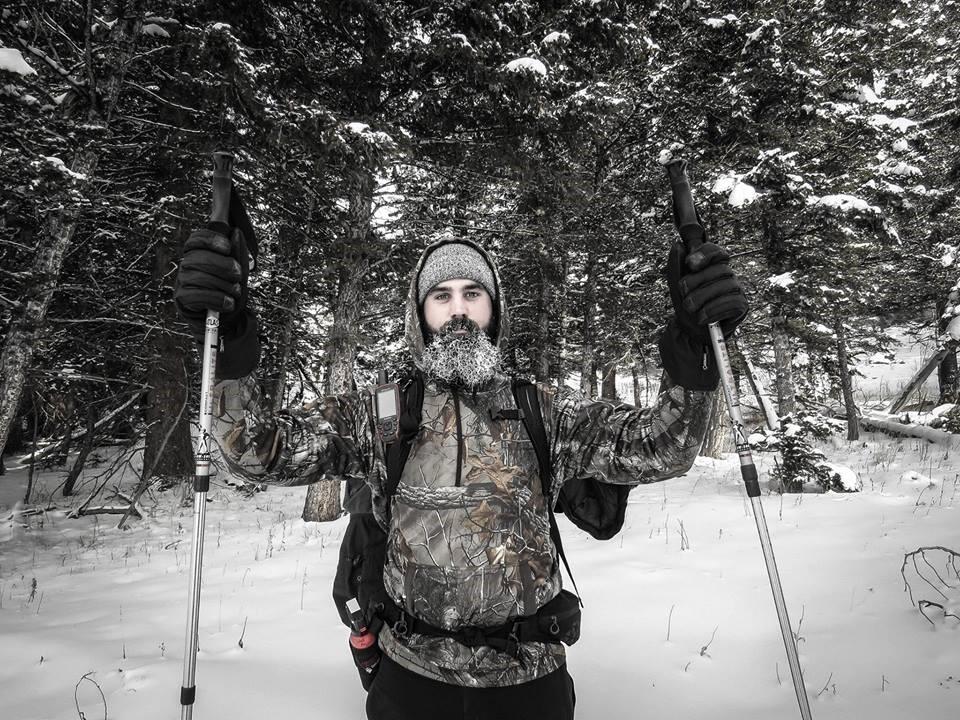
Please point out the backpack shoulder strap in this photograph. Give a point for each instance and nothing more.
(398, 452)
(527, 397)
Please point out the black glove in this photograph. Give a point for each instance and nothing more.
(213, 276)
(704, 290)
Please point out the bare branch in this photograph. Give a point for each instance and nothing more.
(61, 70)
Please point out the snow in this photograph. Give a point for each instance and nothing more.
(154, 30)
(742, 194)
(462, 39)
(849, 480)
(12, 60)
(901, 124)
(728, 19)
(738, 192)
(672, 622)
(901, 169)
(62, 167)
(527, 64)
(670, 154)
(844, 203)
(555, 37)
(865, 94)
(112, 604)
(783, 280)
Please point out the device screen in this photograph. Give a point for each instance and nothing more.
(387, 402)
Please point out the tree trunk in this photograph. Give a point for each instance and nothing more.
(289, 260)
(759, 392)
(635, 376)
(168, 449)
(853, 421)
(783, 357)
(949, 378)
(917, 380)
(85, 447)
(718, 441)
(17, 352)
(608, 388)
(588, 362)
(322, 503)
(547, 268)
(18, 348)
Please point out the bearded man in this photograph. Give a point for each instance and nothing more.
(469, 547)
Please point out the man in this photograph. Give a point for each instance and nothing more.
(469, 543)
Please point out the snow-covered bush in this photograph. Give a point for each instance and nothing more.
(799, 462)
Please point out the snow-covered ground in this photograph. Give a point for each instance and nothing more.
(679, 619)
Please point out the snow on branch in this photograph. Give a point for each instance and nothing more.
(895, 425)
(845, 203)
(738, 192)
(12, 61)
(527, 64)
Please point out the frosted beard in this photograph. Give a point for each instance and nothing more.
(468, 360)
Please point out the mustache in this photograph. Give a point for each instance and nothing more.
(457, 324)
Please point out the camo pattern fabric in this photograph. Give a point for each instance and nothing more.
(478, 552)
(468, 529)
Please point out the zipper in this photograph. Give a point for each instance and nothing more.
(456, 413)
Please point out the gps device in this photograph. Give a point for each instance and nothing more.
(386, 400)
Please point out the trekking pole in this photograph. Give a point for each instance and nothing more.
(219, 222)
(685, 214)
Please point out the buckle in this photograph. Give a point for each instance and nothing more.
(400, 628)
(473, 636)
(506, 414)
(513, 642)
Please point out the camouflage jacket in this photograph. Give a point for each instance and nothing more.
(468, 530)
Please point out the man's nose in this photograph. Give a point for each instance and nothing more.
(458, 307)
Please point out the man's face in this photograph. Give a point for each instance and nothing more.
(457, 299)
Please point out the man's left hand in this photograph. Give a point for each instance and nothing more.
(705, 290)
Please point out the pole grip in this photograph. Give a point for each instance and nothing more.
(222, 188)
(684, 211)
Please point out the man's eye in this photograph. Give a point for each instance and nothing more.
(473, 294)
(440, 297)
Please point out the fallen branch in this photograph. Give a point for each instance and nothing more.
(131, 507)
(924, 604)
(76, 699)
(97, 425)
(943, 578)
(890, 424)
(18, 512)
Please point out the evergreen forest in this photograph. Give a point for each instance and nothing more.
(821, 139)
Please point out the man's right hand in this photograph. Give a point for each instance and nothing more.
(212, 276)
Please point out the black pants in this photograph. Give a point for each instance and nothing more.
(399, 694)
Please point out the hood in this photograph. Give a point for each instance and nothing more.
(414, 318)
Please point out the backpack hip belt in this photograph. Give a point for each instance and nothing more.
(556, 622)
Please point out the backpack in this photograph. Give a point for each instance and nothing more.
(593, 506)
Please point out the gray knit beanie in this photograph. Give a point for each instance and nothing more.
(453, 261)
